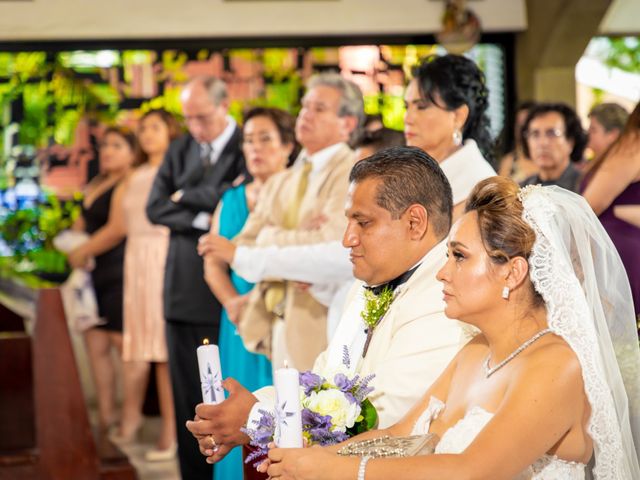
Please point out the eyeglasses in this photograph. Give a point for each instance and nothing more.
(549, 134)
(261, 140)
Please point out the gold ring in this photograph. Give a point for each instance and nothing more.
(213, 441)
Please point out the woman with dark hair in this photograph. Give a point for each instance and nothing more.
(516, 164)
(268, 145)
(446, 116)
(373, 141)
(146, 250)
(549, 388)
(117, 153)
(612, 188)
(553, 137)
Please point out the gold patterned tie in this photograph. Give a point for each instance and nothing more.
(290, 219)
(274, 294)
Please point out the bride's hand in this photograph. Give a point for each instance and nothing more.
(265, 465)
(298, 463)
(262, 468)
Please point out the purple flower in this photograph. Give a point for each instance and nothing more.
(310, 381)
(346, 361)
(314, 423)
(363, 389)
(257, 456)
(319, 428)
(262, 434)
(345, 385)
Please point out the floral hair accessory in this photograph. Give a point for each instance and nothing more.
(527, 190)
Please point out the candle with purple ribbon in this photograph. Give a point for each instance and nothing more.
(288, 433)
(210, 372)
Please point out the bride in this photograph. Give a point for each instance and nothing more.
(540, 392)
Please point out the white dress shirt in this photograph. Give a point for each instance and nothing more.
(326, 266)
(220, 142)
(326, 262)
(464, 169)
(318, 160)
(202, 220)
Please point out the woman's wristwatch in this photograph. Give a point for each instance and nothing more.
(363, 467)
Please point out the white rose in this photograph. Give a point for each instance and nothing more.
(334, 403)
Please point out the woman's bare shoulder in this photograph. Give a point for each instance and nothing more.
(553, 361)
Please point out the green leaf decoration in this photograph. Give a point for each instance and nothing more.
(375, 306)
(368, 419)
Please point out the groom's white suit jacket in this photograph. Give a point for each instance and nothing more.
(410, 347)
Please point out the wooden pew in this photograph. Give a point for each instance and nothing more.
(44, 427)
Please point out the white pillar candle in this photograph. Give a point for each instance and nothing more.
(288, 432)
(210, 372)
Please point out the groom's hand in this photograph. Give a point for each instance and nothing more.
(222, 422)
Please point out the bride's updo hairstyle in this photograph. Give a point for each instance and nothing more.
(505, 234)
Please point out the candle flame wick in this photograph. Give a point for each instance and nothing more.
(286, 364)
(205, 341)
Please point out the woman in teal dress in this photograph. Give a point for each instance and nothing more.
(268, 145)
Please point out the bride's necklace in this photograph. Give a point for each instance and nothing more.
(490, 371)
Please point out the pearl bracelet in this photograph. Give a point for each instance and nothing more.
(363, 466)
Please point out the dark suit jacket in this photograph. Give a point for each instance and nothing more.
(187, 297)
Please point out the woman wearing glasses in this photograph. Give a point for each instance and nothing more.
(553, 137)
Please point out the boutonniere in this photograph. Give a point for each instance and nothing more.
(375, 307)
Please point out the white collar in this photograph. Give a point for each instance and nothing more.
(435, 254)
(320, 159)
(218, 144)
(464, 169)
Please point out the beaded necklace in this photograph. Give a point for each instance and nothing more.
(490, 371)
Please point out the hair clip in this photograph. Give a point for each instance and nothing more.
(527, 190)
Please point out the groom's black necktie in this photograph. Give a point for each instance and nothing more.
(392, 284)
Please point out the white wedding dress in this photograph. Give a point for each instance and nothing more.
(460, 436)
(577, 270)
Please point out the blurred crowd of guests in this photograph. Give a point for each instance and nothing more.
(236, 233)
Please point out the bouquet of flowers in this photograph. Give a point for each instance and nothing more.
(334, 408)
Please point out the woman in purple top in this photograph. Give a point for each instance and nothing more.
(612, 186)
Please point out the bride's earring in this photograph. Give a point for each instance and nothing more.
(505, 292)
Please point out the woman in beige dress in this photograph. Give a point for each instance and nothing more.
(144, 339)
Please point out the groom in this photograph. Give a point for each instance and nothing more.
(399, 212)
